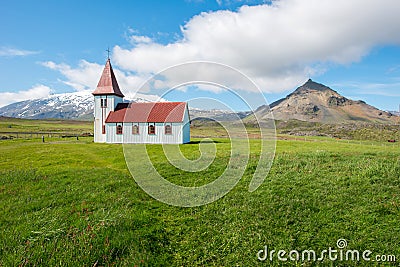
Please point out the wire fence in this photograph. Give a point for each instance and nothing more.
(42, 135)
(62, 135)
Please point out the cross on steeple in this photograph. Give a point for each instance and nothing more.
(108, 52)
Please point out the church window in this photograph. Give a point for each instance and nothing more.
(168, 129)
(119, 129)
(103, 102)
(152, 129)
(135, 129)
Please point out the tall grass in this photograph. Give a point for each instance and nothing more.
(75, 204)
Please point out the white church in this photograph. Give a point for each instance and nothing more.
(116, 121)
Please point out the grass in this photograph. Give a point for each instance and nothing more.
(69, 202)
(73, 202)
(350, 131)
(51, 125)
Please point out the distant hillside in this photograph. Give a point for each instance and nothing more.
(315, 102)
(78, 105)
(312, 102)
(351, 131)
(201, 117)
(14, 125)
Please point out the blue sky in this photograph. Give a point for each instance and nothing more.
(52, 47)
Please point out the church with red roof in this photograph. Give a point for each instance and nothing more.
(116, 121)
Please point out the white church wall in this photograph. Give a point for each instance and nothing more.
(144, 137)
(101, 113)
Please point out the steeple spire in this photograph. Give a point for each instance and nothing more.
(108, 84)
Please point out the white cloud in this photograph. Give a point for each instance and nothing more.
(38, 91)
(279, 45)
(241, 2)
(140, 39)
(84, 77)
(11, 52)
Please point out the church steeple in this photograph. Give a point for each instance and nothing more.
(106, 98)
(108, 84)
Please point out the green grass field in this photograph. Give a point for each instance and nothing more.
(69, 202)
(51, 125)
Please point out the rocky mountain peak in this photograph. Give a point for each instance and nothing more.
(310, 85)
(316, 102)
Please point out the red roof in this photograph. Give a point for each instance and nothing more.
(149, 112)
(108, 84)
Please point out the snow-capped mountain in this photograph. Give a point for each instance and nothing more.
(78, 105)
(397, 113)
(216, 114)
